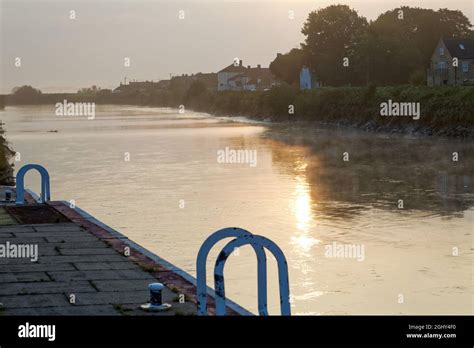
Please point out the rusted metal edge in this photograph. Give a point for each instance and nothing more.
(167, 273)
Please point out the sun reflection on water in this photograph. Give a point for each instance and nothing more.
(302, 204)
(301, 207)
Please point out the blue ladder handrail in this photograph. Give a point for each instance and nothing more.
(254, 241)
(20, 183)
(201, 268)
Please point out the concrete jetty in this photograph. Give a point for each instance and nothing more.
(83, 267)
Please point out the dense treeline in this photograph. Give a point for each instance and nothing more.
(342, 48)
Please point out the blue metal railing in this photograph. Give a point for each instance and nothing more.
(259, 244)
(201, 268)
(20, 183)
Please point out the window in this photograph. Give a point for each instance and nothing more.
(461, 46)
(441, 51)
(465, 66)
(442, 65)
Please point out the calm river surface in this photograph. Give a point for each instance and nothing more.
(173, 193)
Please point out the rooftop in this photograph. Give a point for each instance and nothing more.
(460, 48)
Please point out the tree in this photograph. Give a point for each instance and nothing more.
(287, 66)
(26, 91)
(454, 23)
(394, 49)
(89, 91)
(6, 164)
(26, 94)
(401, 41)
(333, 35)
(196, 88)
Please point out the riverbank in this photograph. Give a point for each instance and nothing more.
(445, 111)
(6, 153)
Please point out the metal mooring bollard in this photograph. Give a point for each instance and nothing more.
(156, 301)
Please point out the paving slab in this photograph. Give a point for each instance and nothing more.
(93, 266)
(44, 250)
(37, 267)
(46, 234)
(5, 234)
(43, 243)
(82, 258)
(70, 310)
(92, 244)
(122, 285)
(34, 288)
(17, 277)
(64, 259)
(88, 251)
(119, 297)
(61, 238)
(123, 275)
(16, 228)
(16, 261)
(39, 301)
(19, 240)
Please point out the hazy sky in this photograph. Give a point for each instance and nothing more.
(61, 54)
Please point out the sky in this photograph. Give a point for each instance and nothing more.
(62, 54)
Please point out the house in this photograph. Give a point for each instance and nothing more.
(228, 73)
(236, 77)
(307, 79)
(452, 63)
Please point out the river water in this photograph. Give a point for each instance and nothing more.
(155, 175)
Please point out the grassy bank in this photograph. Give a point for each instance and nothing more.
(443, 111)
(447, 111)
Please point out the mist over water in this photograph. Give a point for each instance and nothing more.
(301, 194)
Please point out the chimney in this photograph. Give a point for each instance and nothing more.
(248, 66)
(259, 66)
(241, 62)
